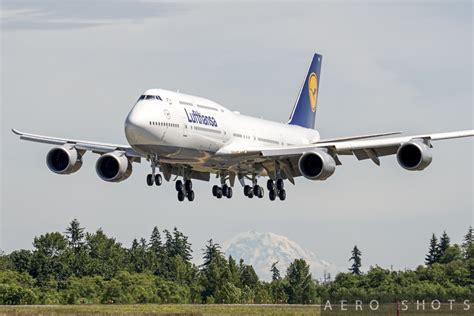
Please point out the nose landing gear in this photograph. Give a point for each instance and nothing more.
(154, 178)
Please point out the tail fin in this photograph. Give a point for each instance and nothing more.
(304, 111)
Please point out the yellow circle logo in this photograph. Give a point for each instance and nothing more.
(313, 90)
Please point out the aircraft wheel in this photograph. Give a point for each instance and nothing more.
(282, 195)
(149, 180)
(158, 179)
(260, 192)
(179, 185)
(219, 193)
(181, 196)
(225, 188)
(188, 185)
(272, 195)
(270, 185)
(190, 196)
(229, 192)
(215, 189)
(247, 190)
(256, 189)
(250, 195)
(280, 184)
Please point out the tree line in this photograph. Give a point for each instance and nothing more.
(78, 267)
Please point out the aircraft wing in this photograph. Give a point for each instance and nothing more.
(80, 144)
(361, 148)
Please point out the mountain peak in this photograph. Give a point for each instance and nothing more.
(261, 250)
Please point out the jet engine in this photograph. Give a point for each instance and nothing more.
(414, 155)
(317, 165)
(113, 167)
(65, 159)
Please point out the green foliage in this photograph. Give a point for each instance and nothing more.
(300, 285)
(93, 268)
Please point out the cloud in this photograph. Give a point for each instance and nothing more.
(57, 14)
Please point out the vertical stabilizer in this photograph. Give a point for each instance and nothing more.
(304, 111)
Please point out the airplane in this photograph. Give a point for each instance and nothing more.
(189, 138)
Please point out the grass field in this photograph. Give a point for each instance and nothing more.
(149, 309)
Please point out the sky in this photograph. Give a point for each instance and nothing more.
(74, 69)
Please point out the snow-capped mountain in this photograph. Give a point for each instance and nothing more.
(262, 249)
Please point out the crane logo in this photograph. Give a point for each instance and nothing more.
(313, 90)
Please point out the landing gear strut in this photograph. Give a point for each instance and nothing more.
(185, 190)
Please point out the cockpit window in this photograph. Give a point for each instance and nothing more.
(150, 97)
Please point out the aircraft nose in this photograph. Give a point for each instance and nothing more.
(135, 125)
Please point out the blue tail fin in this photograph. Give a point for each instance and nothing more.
(304, 112)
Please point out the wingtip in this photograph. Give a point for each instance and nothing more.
(15, 131)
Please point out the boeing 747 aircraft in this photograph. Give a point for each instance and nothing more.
(187, 137)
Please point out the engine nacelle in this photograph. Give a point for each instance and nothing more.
(414, 155)
(113, 167)
(317, 165)
(65, 159)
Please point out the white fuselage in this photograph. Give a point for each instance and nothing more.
(179, 128)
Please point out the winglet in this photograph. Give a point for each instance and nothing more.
(17, 132)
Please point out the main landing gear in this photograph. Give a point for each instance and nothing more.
(276, 189)
(251, 191)
(185, 190)
(220, 191)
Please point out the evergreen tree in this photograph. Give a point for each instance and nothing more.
(275, 272)
(300, 286)
(433, 251)
(444, 243)
(357, 261)
(234, 272)
(468, 243)
(75, 234)
(156, 246)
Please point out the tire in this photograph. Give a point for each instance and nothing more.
(229, 193)
(219, 194)
(280, 185)
(188, 185)
(225, 188)
(250, 195)
(282, 195)
(158, 179)
(260, 192)
(178, 185)
(190, 196)
(247, 190)
(149, 180)
(272, 195)
(270, 185)
(215, 189)
(256, 189)
(181, 196)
